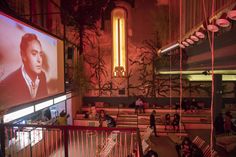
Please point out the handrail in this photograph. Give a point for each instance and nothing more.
(65, 134)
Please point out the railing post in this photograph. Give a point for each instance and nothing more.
(2, 138)
(140, 149)
(65, 132)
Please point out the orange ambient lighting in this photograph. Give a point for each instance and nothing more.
(119, 42)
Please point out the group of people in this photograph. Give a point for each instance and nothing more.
(188, 105)
(102, 117)
(174, 123)
(224, 124)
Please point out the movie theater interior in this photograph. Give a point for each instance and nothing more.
(117, 78)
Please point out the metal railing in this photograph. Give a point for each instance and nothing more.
(19, 140)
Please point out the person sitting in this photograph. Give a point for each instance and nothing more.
(101, 116)
(167, 120)
(139, 106)
(111, 123)
(185, 105)
(186, 148)
(175, 122)
(93, 112)
(194, 105)
(62, 119)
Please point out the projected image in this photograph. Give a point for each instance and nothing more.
(31, 63)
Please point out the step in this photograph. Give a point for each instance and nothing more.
(192, 126)
(126, 123)
(165, 133)
(126, 126)
(126, 119)
(143, 126)
(128, 115)
(183, 119)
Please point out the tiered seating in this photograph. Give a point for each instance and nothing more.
(126, 117)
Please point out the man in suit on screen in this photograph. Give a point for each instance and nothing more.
(28, 81)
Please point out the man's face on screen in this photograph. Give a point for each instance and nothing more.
(33, 57)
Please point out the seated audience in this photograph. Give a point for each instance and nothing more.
(177, 106)
(93, 112)
(175, 122)
(194, 105)
(62, 119)
(167, 120)
(101, 116)
(186, 147)
(219, 124)
(111, 123)
(185, 105)
(139, 106)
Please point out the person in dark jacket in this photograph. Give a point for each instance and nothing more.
(111, 123)
(175, 122)
(28, 81)
(153, 122)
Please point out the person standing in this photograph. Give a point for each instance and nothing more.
(153, 122)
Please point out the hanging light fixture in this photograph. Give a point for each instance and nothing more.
(181, 45)
(194, 38)
(212, 27)
(190, 41)
(200, 33)
(223, 21)
(232, 14)
(185, 43)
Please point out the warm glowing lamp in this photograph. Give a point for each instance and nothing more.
(190, 41)
(223, 21)
(232, 13)
(119, 42)
(212, 26)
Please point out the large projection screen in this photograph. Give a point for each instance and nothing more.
(31, 63)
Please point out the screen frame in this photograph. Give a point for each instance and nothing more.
(13, 16)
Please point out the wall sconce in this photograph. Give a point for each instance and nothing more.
(194, 38)
(200, 33)
(191, 42)
(181, 45)
(223, 21)
(232, 14)
(212, 26)
(185, 43)
(119, 42)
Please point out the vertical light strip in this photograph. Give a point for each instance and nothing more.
(119, 42)
(122, 43)
(115, 43)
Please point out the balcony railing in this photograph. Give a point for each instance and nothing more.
(68, 141)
